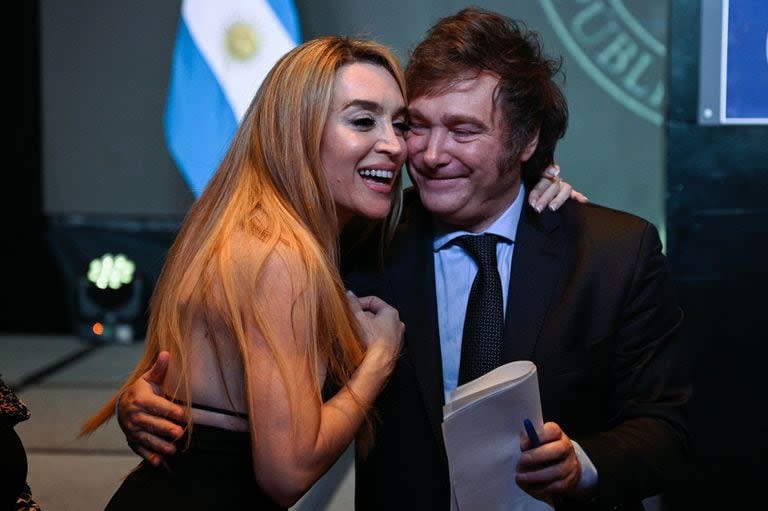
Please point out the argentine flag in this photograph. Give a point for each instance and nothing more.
(224, 49)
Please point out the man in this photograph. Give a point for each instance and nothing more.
(589, 299)
(587, 295)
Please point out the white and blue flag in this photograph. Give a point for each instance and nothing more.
(224, 49)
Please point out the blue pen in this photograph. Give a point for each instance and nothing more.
(532, 436)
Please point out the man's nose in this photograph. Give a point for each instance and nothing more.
(435, 153)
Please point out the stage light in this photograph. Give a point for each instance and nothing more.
(110, 298)
(110, 266)
(111, 271)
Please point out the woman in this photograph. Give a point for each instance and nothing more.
(250, 304)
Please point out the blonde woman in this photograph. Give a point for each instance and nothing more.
(250, 304)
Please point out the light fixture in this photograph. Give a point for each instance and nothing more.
(110, 298)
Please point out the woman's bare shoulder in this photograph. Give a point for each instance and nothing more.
(271, 266)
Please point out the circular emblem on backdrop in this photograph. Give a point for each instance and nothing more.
(618, 46)
(242, 41)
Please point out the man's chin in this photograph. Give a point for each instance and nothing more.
(442, 207)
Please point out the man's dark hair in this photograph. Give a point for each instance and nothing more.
(475, 40)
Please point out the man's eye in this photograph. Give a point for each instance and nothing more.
(416, 128)
(364, 122)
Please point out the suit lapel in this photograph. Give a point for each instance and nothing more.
(537, 266)
(412, 280)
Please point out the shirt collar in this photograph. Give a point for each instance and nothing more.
(504, 226)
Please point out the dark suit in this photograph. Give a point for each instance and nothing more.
(591, 304)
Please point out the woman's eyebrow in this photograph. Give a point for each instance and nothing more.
(365, 104)
(373, 106)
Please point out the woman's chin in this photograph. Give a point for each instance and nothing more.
(376, 211)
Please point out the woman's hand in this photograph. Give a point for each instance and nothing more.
(380, 327)
(552, 192)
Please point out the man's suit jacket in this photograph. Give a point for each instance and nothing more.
(591, 304)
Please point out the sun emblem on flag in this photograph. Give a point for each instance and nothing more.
(242, 41)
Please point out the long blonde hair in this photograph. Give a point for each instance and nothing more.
(271, 185)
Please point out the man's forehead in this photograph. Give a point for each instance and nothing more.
(478, 93)
(465, 82)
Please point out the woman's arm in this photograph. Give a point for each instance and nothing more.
(297, 442)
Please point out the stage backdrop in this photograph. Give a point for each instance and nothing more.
(105, 69)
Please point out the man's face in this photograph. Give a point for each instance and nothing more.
(454, 146)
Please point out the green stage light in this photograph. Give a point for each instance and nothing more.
(111, 271)
(110, 298)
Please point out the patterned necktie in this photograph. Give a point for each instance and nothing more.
(484, 323)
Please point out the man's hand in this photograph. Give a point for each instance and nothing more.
(150, 422)
(551, 470)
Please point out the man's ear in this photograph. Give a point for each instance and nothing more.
(531, 147)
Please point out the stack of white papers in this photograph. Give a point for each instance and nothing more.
(482, 427)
